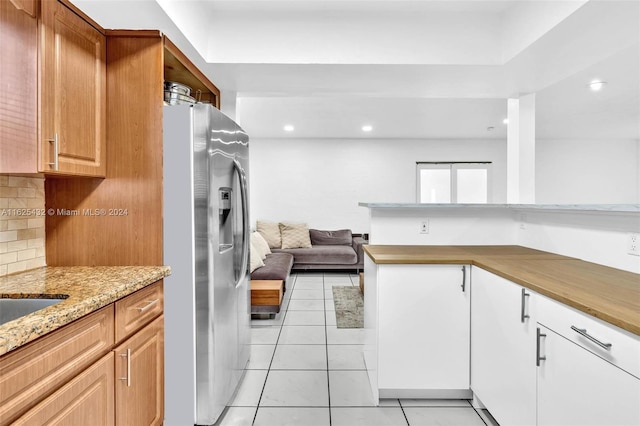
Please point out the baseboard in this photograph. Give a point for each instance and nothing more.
(426, 393)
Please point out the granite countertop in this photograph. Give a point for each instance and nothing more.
(84, 289)
(613, 295)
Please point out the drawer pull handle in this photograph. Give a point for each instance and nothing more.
(128, 378)
(583, 332)
(147, 306)
(464, 278)
(523, 315)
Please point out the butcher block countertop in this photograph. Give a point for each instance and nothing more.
(613, 295)
(84, 289)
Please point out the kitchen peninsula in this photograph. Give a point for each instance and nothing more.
(514, 306)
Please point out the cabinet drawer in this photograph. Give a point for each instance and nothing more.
(32, 372)
(138, 309)
(624, 351)
(87, 399)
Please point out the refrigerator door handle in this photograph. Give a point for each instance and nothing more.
(245, 221)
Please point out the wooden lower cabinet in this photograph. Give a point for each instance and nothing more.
(31, 373)
(86, 400)
(82, 375)
(139, 369)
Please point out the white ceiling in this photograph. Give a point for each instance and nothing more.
(411, 69)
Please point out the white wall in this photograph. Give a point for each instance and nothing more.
(447, 226)
(321, 181)
(587, 171)
(338, 32)
(595, 237)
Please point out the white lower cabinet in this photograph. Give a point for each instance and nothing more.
(417, 320)
(585, 372)
(576, 387)
(535, 361)
(529, 360)
(503, 333)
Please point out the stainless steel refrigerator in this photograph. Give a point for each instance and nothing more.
(206, 243)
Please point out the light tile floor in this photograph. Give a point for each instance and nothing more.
(304, 371)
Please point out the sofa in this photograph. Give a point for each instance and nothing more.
(284, 247)
(330, 250)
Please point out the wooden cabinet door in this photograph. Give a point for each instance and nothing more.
(139, 377)
(424, 330)
(578, 388)
(73, 77)
(503, 339)
(85, 400)
(19, 82)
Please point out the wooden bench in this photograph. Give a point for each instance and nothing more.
(266, 296)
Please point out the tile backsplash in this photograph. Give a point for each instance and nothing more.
(22, 216)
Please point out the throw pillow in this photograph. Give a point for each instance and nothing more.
(270, 231)
(254, 258)
(295, 235)
(258, 241)
(341, 237)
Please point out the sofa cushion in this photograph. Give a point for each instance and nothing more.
(295, 235)
(323, 255)
(255, 258)
(260, 244)
(276, 267)
(341, 237)
(270, 231)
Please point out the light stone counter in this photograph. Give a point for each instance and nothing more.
(84, 289)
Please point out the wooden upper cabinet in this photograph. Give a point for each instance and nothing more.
(73, 93)
(19, 83)
(179, 68)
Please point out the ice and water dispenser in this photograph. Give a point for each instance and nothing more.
(225, 218)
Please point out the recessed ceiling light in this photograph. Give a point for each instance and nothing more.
(289, 128)
(596, 85)
(367, 128)
(505, 121)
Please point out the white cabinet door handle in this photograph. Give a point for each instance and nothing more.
(538, 356)
(523, 315)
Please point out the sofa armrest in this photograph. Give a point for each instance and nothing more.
(357, 243)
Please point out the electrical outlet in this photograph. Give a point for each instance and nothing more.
(633, 244)
(424, 226)
(523, 221)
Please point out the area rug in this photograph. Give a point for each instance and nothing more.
(349, 307)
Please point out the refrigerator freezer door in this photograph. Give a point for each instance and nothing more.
(220, 340)
(209, 298)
